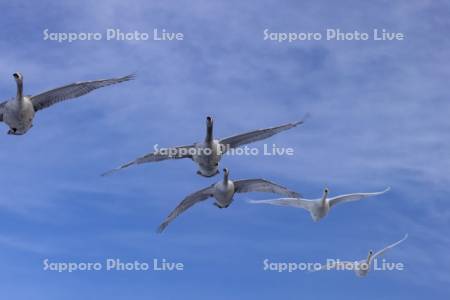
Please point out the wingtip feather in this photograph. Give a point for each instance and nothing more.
(305, 117)
(131, 76)
(161, 228)
(108, 172)
(119, 168)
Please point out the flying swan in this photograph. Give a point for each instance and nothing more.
(223, 192)
(361, 267)
(207, 154)
(18, 113)
(318, 208)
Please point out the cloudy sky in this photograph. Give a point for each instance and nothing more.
(379, 118)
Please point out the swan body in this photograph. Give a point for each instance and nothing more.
(207, 156)
(19, 115)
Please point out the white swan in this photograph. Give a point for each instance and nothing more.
(318, 208)
(223, 192)
(207, 154)
(361, 267)
(18, 113)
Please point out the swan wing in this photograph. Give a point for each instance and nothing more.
(171, 153)
(73, 90)
(2, 110)
(188, 202)
(294, 202)
(262, 185)
(382, 251)
(256, 135)
(353, 197)
(336, 265)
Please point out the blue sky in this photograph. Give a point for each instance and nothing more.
(379, 117)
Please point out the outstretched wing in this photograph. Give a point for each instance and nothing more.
(353, 197)
(73, 90)
(170, 153)
(2, 110)
(262, 185)
(185, 204)
(257, 135)
(382, 251)
(294, 202)
(336, 265)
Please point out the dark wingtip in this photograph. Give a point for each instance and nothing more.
(118, 168)
(129, 77)
(161, 228)
(296, 195)
(305, 117)
(132, 76)
(108, 172)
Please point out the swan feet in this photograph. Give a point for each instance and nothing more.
(12, 131)
(15, 131)
(216, 204)
(201, 174)
(219, 206)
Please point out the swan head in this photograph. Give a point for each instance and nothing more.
(209, 121)
(369, 256)
(18, 77)
(325, 196)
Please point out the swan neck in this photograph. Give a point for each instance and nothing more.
(209, 133)
(324, 199)
(20, 91)
(225, 179)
